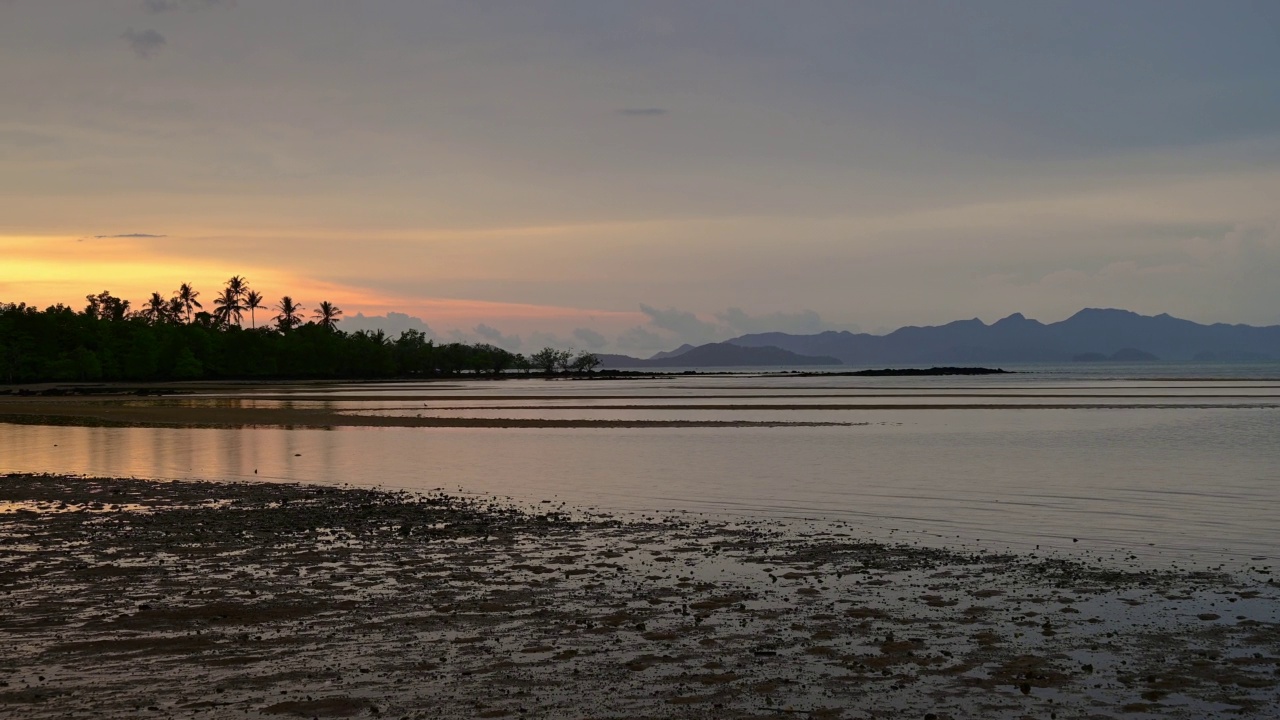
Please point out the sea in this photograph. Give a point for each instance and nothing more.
(1157, 463)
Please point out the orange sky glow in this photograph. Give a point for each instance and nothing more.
(645, 174)
(44, 271)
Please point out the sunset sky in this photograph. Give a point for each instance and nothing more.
(633, 175)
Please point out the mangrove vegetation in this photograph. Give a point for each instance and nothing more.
(178, 338)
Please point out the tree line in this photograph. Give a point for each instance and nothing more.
(176, 338)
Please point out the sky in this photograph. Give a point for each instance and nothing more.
(628, 176)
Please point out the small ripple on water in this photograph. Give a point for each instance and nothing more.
(1182, 479)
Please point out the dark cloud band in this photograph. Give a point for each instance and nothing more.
(144, 43)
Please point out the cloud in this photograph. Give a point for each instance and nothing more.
(1238, 251)
(665, 330)
(803, 322)
(689, 328)
(155, 7)
(1244, 243)
(144, 42)
(26, 138)
(1207, 277)
(686, 326)
(590, 338)
(886, 159)
(487, 335)
(638, 338)
(128, 235)
(393, 323)
(540, 340)
(494, 336)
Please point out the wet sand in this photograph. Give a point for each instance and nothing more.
(136, 412)
(211, 600)
(205, 412)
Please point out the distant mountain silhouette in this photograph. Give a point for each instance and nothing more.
(717, 355)
(1104, 332)
(671, 353)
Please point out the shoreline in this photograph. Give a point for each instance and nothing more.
(226, 599)
(131, 414)
(170, 387)
(130, 411)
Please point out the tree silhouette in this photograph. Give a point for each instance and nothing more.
(564, 360)
(548, 359)
(227, 307)
(290, 315)
(186, 296)
(238, 285)
(105, 306)
(586, 362)
(107, 342)
(156, 310)
(252, 301)
(327, 315)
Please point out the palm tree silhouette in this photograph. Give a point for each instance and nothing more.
(328, 314)
(228, 308)
(238, 285)
(186, 296)
(156, 310)
(290, 315)
(252, 301)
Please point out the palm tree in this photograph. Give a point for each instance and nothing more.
(186, 296)
(290, 315)
(229, 309)
(328, 314)
(238, 285)
(252, 301)
(156, 310)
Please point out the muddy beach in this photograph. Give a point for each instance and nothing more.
(281, 411)
(192, 599)
(134, 412)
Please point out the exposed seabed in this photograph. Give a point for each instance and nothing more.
(198, 599)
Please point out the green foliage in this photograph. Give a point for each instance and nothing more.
(585, 362)
(290, 315)
(549, 359)
(186, 366)
(165, 340)
(106, 306)
(327, 315)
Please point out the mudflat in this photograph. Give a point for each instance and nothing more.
(129, 411)
(200, 599)
(279, 411)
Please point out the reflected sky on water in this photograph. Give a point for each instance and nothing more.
(1179, 481)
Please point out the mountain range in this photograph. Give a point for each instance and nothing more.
(716, 355)
(1091, 335)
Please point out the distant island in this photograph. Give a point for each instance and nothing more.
(916, 372)
(1089, 335)
(716, 355)
(168, 338)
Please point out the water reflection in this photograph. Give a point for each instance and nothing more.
(1178, 482)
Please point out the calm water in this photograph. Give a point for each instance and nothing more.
(1165, 468)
